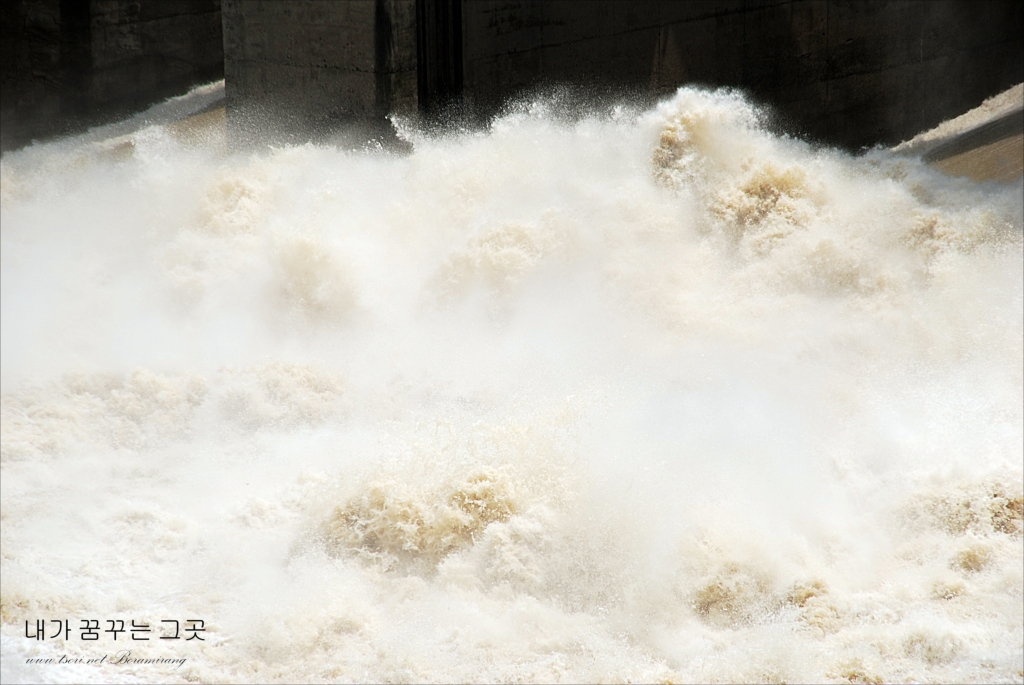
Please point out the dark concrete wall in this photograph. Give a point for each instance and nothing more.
(843, 72)
(308, 67)
(849, 73)
(69, 64)
(31, 77)
(839, 71)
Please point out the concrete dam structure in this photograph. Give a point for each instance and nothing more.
(847, 73)
(852, 74)
(67, 65)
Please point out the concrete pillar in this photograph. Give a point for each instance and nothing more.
(317, 69)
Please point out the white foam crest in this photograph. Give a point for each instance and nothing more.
(658, 396)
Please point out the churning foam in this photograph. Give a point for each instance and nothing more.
(636, 396)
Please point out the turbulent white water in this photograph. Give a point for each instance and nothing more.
(651, 396)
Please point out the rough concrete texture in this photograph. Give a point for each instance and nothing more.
(70, 64)
(33, 79)
(307, 67)
(847, 73)
(850, 73)
(145, 51)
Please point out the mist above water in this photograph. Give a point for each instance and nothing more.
(646, 396)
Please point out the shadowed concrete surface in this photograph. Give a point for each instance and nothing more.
(847, 73)
(852, 74)
(308, 69)
(71, 64)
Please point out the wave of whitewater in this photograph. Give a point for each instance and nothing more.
(632, 396)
